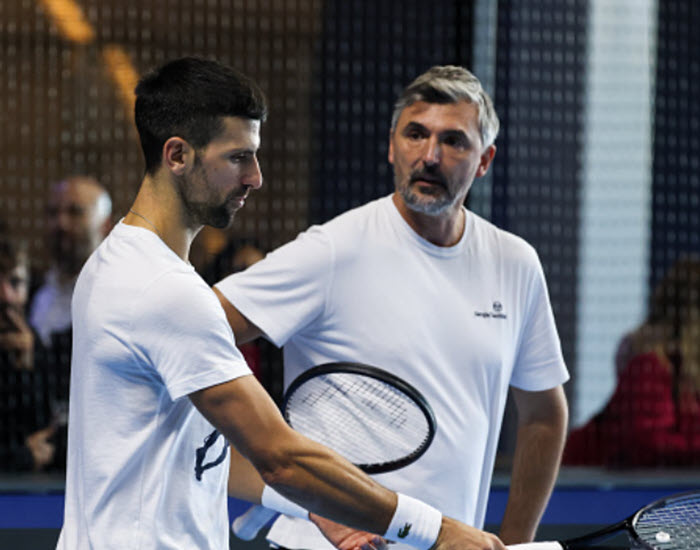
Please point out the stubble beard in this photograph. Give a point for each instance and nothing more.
(431, 205)
(197, 213)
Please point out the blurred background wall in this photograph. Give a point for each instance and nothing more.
(598, 157)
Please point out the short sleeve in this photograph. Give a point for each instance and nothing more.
(287, 290)
(181, 331)
(539, 361)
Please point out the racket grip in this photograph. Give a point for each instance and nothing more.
(248, 525)
(536, 546)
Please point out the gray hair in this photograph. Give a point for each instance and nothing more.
(450, 84)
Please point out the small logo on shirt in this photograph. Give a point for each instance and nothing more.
(495, 313)
(201, 453)
(403, 532)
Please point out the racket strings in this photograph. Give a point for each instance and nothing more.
(364, 419)
(671, 525)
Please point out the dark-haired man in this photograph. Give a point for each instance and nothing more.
(159, 388)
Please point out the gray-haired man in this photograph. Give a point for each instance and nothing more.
(416, 284)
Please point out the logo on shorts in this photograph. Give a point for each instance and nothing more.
(403, 532)
(495, 313)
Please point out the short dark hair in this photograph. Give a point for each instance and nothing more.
(188, 97)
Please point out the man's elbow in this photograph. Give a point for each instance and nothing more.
(275, 463)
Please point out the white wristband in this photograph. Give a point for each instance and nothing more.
(275, 501)
(414, 523)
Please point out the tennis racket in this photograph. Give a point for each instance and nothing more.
(376, 420)
(671, 523)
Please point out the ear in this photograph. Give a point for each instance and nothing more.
(390, 156)
(107, 226)
(177, 155)
(485, 161)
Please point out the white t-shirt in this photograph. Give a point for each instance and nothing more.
(50, 310)
(145, 469)
(460, 323)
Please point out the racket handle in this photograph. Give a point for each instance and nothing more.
(536, 546)
(248, 525)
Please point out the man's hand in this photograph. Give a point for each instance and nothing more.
(455, 535)
(346, 538)
(17, 338)
(40, 446)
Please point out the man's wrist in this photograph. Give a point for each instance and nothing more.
(275, 501)
(414, 522)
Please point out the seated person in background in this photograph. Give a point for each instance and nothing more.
(24, 401)
(653, 417)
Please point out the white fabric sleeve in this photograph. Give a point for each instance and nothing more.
(275, 501)
(287, 290)
(180, 329)
(539, 363)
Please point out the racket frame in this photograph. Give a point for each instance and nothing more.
(383, 376)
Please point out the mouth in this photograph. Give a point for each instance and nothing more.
(429, 179)
(237, 201)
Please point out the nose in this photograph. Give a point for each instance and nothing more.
(255, 178)
(59, 220)
(433, 151)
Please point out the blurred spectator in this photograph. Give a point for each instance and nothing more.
(16, 337)
(235, 256)
(26, 427)
(78, 218)
(653, 417)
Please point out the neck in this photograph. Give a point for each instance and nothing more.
(159, 210)
(443, 230)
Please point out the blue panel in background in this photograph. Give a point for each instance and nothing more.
(31, 511)
(589, 506)
(568, 506)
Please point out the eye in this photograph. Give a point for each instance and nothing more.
(457, 141)
(16, 282)
(239, 158)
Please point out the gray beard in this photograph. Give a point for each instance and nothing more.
(431, 207)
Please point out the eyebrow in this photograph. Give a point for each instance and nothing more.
(242, 151)
(415, 126)
(412, 125)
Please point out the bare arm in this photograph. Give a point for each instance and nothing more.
(304, 471)
(300, 469)
(243, 329)
(244, 481)
(542, 421)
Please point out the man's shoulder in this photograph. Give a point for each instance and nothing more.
(502, 242)
(357, 215)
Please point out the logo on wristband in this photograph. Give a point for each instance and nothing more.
(403, 532)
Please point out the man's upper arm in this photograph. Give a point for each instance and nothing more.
(243, 329)
(547, 406)
(243, 411)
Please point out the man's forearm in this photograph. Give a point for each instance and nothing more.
(319, 479)
(540, 440)
(325, 483)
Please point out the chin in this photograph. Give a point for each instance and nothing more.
(426, 204)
